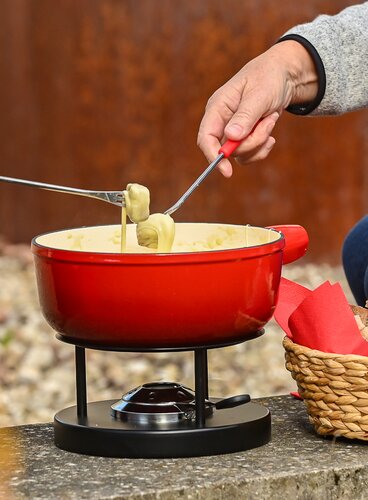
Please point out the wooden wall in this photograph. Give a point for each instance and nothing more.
(99, 93)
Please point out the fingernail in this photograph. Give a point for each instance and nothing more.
(275, 116)
(235, 129)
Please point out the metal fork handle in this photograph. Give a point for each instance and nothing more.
(195, 184)
(101, 195)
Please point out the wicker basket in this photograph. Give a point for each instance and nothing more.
(334, 387)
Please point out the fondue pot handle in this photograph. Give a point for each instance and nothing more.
(296, 241)
(231, 402)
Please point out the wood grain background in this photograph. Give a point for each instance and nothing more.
(99, 93)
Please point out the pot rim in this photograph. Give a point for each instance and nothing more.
(79, 256)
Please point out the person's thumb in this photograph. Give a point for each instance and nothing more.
(249, 112)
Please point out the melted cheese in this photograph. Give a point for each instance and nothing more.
(157, 232)
(123, 229)
(189, 237)
(137, 200)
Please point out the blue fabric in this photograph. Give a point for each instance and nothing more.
(355, 260)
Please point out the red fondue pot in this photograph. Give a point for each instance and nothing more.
(163, 300)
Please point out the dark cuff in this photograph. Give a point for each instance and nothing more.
(305, 109)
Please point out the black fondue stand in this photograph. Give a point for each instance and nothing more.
(233, 425)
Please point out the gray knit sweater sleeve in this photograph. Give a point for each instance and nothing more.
(342, 44)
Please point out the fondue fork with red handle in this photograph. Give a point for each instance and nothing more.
(114, 197)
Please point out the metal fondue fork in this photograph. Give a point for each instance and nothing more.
(114, 197)
(224, 152)
(117, 197)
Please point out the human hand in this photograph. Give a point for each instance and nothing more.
(250, 103)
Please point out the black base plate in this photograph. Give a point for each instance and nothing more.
(226, 431)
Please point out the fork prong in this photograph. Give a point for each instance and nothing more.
(119, 197)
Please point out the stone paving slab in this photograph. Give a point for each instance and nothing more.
(296, 464)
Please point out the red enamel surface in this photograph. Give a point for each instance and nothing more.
(143, 300)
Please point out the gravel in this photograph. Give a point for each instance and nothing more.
(37, 371)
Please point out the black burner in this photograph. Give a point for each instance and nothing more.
(161, 419)
(225, 431)
(157, 403)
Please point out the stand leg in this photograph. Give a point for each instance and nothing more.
(201, 385)
(205, 369)
(80, 366)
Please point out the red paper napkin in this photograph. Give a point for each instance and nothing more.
(319, 319)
